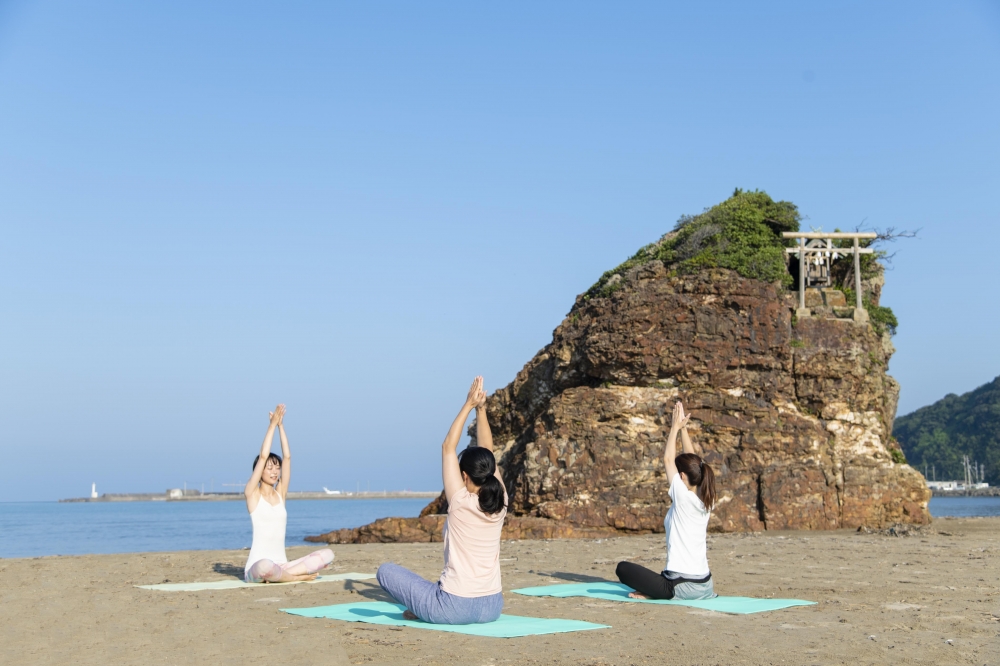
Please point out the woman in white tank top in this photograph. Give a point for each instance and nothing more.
(265, 493)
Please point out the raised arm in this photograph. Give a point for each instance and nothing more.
(252, 489)
(286, 459)
(677, 424)
(484, 437)
(686, 443)
(450, 472)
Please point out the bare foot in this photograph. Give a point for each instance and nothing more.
(637, 595)
(294, 578)
(407, 615)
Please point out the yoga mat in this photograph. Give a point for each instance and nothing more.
(619, 592)
(233, 583)
(381, 612)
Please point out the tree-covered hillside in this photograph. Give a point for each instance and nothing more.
(956, 425)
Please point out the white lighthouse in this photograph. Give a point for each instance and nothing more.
(93, 491)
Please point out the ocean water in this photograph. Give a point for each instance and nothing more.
(31, 529)
(963, 507)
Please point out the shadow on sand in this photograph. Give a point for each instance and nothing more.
(228, 569)
(575, 577)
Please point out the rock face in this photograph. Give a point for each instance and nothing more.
(794, 416)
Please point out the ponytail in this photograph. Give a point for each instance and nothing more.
(706, 487)
(481, 467)
(699, 474)
(491, 496)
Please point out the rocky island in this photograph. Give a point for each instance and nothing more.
(794, 409)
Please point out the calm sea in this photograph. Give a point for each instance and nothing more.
(962, 507)
(30, 529)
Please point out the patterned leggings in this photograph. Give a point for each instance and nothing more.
(266, 571)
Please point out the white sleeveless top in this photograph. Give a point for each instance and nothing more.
(268, 533)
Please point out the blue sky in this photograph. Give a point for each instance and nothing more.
(208, 208)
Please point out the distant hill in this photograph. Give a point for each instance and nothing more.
(956, 425)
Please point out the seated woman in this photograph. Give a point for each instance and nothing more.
(265, 493)
(469, 589)
(692, 495)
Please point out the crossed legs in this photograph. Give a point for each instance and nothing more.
(304, 568)
(647, 584)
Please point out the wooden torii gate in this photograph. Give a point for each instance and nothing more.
(816, 254)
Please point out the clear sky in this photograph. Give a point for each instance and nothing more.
(353, 208)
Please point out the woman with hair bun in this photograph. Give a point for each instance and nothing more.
(469, 590)
(692, 495)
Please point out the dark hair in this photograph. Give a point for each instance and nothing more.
(481, 466)
(699, 474)
(271, 456)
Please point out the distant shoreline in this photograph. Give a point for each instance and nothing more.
(992, 491)
(195, 496)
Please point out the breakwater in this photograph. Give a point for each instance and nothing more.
(992, 491)
(197, 496)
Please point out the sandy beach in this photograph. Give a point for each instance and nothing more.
(881, 599)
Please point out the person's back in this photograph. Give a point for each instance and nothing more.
(471, 547)
(686, 526)
(692, 496)
(469, 590)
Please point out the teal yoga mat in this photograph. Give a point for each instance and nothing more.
(381, 612)
(233, 583)
(619, 592)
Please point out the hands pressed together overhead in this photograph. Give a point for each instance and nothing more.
(278, 415)
(477, 396)
(680, 419)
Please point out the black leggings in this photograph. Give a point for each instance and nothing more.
(644, 581)
(650, 583)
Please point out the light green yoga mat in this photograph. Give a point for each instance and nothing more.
(381, 612)
(233, 583)
(619, 592)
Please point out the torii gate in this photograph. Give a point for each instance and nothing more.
(820, 246)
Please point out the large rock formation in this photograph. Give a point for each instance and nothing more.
(795, 416)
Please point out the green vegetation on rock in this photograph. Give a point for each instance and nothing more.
(743, 233)
(957, 425)
(882, 318)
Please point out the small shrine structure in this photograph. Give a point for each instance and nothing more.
(817, 253)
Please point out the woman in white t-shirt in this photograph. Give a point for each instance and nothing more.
(692, 495)
(469, 590)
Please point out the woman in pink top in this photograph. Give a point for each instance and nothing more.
(469, 590)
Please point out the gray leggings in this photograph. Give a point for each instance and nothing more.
(431, 604)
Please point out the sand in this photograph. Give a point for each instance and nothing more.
(881, 599)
